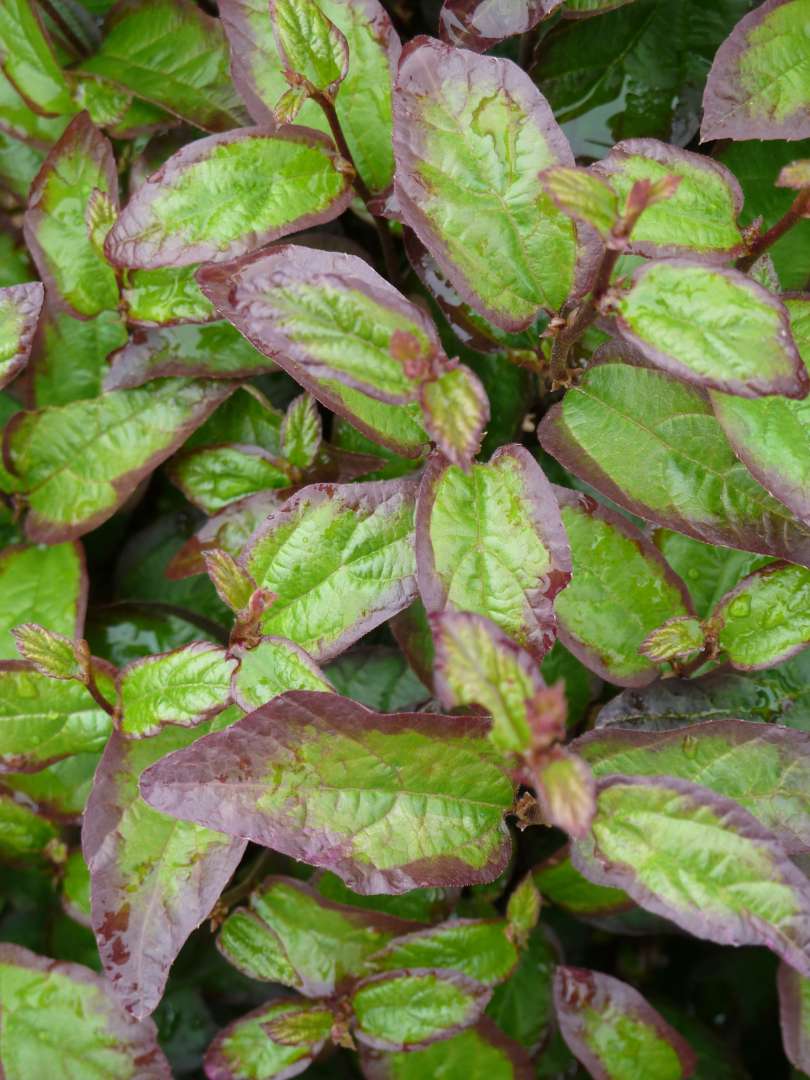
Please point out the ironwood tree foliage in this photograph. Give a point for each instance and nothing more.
(405, 522)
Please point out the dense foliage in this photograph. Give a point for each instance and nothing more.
(405, 527)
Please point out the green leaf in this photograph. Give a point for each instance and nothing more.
(183, 687)
(715, 327)
(59, 1017)
(456, 411)
(677, 638)
(477, 664)
(280, 182)
(348, 562)
(584, 9)
(614, 1032)
(638, 70)
(765, 618)
(233, 584)
(270, 668)
(19, 119)
(481, 949)
(79, 462)
(357, 779)
(19, 164)
(378, 677)
(563, 885)
(23, 834)
(154, 879)
(763, 767)
(621, 590)
(700, 217)
(245, 1049)
(76, 889)
(701, 861)
(419, 905)
(757, 166)
(46, 585)
(292, 935)
(165, 297)
(56, 228)
(405, 1011)
(29, 62)
(772, 435)
(582, 195)
(467, 562)
(565, 790)
(364, 97)
(51, 654)
(708, 572)
(794, 1011)
(310, 46)
(523, 910)
(481, 1052)
(60, 790)
(245, 417)
(20, 306)
(71, 357)
(172, 54)
(213, 477)
(759, 85)
(471, 134)
(652, 444)
(301, 432)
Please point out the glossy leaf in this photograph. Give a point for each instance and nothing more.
(675, 639)
(701, 861)
(456, 411)
(245, 1049)
(772, 435)
(329, 595)
(469, 134)
(59, 791)
(364, 97)
(70, 357)
(183, 687)
(407, 826)
(287, 180)
(60, 1016)
(154, 879)
(56, 228)
(562, 884)
(565, 791)
(583, 196)
(20, 306)
(794, 1004)
(758, 86)
(408, 1010)
(480, 24)
(378, 677)
(172, 54)
(477, 664)
(51, 654)
(301, 306)
(465, 560)
(79, 462)
(479, 949)
(620, 591)
(760, 766)
(700, 217)
(310, 46)
(708, 572)
(481, 1052)
(29, 62)
(270, 668)
(24, 835)
(715, 327)
(76, 889)
(651, 443)
(612, 1030)
(165, 297)
(43, 720)
(41, 585)
(764, 619)
(215, 476)
(290, 934)
(301, 432)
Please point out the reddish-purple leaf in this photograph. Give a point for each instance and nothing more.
(291, 180)
(794, 1015)
(480, 24)
(245, 1048)
(59, 1017)
(389, 801)
(465, 559)
(20, 306)
(455, 407)
(566, 790)
(607, 1024)
(757, 87)
(154, 879)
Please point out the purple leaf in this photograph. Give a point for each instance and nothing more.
(20, 306)
(794, 1003)
(480, 24)
(390, 802)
